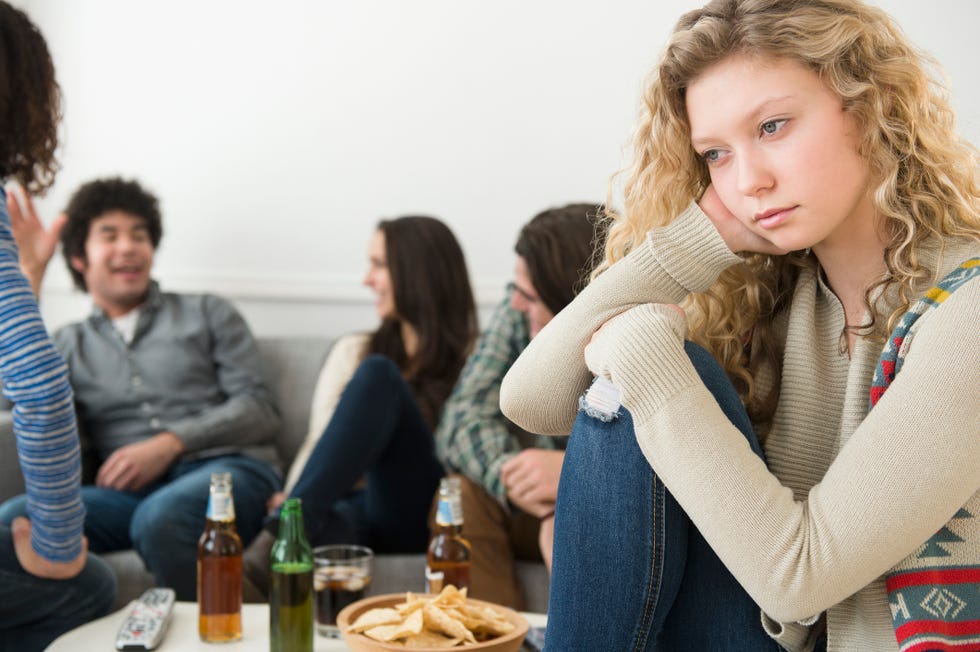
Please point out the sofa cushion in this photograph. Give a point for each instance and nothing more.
(292, 366)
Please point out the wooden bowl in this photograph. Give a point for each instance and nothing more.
(359, 643)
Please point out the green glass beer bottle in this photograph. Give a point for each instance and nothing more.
(291, 586)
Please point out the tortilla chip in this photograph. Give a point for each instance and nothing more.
(426, 638)
(485, 620)
(412, 603)
(375, 618)
(450, 596)
(442, 621)
(387, 633)
(438, 620)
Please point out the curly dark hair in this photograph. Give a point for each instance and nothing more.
(30, 103)
(96, 198)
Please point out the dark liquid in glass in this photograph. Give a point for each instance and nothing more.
(336, 588)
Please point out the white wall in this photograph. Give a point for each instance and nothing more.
(277, 133)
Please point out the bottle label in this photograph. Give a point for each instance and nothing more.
(221, 507)
(449, 512)
(434, 580)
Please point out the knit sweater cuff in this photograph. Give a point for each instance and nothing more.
(642, 353)
(691, 250)
(796, 637)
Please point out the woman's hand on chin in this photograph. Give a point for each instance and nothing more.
(733, 231)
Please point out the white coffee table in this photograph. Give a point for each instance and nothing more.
(182, 635)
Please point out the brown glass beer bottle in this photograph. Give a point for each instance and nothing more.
(219, 567)
(448, 559)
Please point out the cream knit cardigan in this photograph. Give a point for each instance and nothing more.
(846, 495)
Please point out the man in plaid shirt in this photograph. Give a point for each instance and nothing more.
(510, 477)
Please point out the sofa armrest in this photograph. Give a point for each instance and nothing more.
(11, 479)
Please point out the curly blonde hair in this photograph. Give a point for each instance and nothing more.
(924, 176)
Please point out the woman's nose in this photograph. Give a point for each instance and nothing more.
(754, 175)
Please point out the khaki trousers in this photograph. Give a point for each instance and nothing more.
(497, 537)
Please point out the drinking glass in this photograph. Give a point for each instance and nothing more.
(341, 576)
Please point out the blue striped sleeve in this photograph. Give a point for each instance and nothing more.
(35, 380)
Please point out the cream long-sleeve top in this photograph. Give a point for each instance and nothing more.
(846, 495)
(345, 355)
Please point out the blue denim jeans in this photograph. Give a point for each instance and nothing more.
(164, 522)
(376, 432)
(630, 571)
(35, 611)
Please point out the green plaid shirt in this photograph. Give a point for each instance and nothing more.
(474, 437)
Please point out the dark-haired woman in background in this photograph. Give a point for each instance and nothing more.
(368, 469)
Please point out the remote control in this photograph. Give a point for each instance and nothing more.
(147, 621)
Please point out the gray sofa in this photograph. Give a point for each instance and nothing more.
(292, 365)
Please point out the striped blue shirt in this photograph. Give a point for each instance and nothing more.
(35, 380)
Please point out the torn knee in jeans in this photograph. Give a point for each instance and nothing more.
(601, 401)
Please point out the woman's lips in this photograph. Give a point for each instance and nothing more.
(773, 218)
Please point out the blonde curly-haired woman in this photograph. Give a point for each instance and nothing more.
(797, 187)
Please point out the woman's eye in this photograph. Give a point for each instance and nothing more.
(770, 127)
(711, 155)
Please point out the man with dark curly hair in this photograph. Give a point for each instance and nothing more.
(168, 387)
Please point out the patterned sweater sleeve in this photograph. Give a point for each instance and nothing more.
(35, 380)
(540, 392)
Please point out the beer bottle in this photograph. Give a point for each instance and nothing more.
(219, 567)
(291, 585)
(448, 559)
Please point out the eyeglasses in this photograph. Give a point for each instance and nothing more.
(512, 287)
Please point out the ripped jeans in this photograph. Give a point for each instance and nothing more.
(630, 571)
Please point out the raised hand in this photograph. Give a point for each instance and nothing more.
(37, 565)
(531, 480)
(733, 231)
(35, 243)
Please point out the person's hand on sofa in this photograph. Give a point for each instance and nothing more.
(37, 565)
